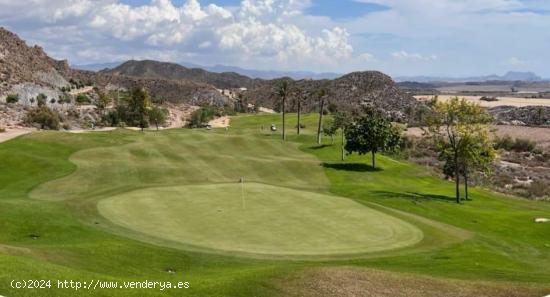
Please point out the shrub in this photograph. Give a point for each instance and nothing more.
(538, 189)
(43, 117)
(41, 99)
(201, 116)
(2, 130)
(12, 98)
(518, 144)
(82, 99)
(332, 108)
(523, 145)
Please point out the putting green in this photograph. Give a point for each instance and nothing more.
(258, 219)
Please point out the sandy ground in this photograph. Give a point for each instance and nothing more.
(179, 114)
(81, 91)
(222, 122)
(539, 135)
(266, 110)
(12, 133)
(507, 101)
(94, 130)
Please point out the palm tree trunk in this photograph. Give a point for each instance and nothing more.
(320, 121)
(343, 144)
(284, 119)
(299, 117)
(457, 179)
(466, 196)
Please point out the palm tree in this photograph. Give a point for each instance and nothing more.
(299, 97)
(283, 91)
(322, 94)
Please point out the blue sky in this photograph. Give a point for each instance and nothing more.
(399, 37)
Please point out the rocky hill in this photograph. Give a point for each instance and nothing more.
(350, 92)
(29, 71)
(163, 70)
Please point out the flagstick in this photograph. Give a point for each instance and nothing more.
(242, 193)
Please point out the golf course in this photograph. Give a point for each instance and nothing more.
(239, 212)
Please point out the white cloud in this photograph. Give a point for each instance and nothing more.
(259, 30)
(515, 61)
(403, 55)
(367, 57)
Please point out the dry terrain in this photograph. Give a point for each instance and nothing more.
(355, 282)
(502, 101)
(540, 135)
(13, 133)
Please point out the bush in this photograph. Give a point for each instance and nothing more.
(201, 116)
(44, 117)
(517, 145)
(2, 130)
(82, 99)
(12, 98)
(538, 189)
(41, 99)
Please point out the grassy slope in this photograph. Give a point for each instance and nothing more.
(505, 244)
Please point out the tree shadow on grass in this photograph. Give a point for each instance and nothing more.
(415, 196)
(319, 146)
(355, 167)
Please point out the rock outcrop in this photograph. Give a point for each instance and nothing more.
(522, 116)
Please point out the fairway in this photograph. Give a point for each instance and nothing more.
(259, 219)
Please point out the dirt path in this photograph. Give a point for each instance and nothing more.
(81, 91)
(13, 133)
(90, 131)
(222, 122)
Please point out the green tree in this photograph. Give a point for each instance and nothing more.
(372, 133)
(41, 99)
(203, 115)
(459, 129)
(341, 120)
(283, 90)
(321, 95)
(138, 104)
(103, 101)
(330, 129)
(31, 101)
(158, 116)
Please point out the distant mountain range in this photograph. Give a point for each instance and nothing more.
(510, 76)
(298, 75)
(261, 74)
